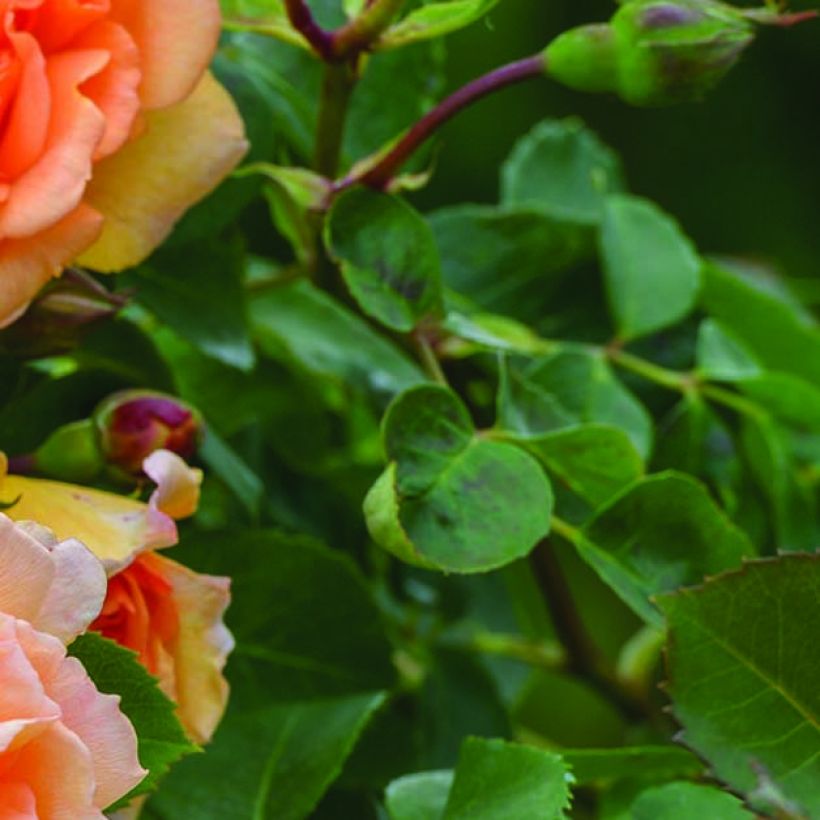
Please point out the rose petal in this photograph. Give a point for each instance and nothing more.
(113, 527)
(177, 492)
(176, 39)
(26, 572)
(27, 264)
(202, 646)
(142, 190)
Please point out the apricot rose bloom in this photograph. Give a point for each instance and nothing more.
(170, 615)
(110, 128)
(66, 750)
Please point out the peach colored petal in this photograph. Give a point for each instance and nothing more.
(176, 38)
(114, 89)
(113, 527)
(18, 802)
(142, 190)
(24, 136)
(177, 492)
(108, 735)
(26, 572)
(59, 771)
(202, 647)
(76, 596)
(53, 186)
(28, 264)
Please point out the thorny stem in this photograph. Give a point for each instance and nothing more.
(385, 167)
(583, 657)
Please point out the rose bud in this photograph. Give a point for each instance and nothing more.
(653, 52)
(134, 423)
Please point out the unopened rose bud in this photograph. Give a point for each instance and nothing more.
(134, 423)
(653, 52)
(55, 321)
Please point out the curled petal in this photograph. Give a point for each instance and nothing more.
(177, 492)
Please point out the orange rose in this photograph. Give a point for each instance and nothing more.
(109, 130)
(172, 617)
(66, 750)
(168, 614)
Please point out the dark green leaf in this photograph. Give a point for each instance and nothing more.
(743, 676)
(197, 290)
(387, 255)
(272, 763)
(721, 356)
(662, 533)
(299, 323)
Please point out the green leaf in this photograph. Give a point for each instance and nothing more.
(583, 384)
(596, 461)
(115, 670)
(592, 766)
(498, 257)
(652, 269)
(775, 332)
(388, 257)
(773, 467)
(272, 763)
(449, 498)
(433, 20)
(743, 676)
(683, 801)
(723, 357)
(299, 323)
(495, 780)
(287, 648)
(563, 170)
(421, 796)
(266, 17)
(662, 533)
(197, 290)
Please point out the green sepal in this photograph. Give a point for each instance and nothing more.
(71, 453)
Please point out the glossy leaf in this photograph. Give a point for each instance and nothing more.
(742, 676)
(421, 796)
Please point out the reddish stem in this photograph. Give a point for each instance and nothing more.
(380, 174)
(301, 18)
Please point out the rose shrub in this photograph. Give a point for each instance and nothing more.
(92, 97)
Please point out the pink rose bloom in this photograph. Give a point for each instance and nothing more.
(66, 750)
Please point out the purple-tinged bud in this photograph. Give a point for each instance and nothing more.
(56, 320)
(657, 52)
(134, 423)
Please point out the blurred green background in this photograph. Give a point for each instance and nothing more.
(741, 170)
